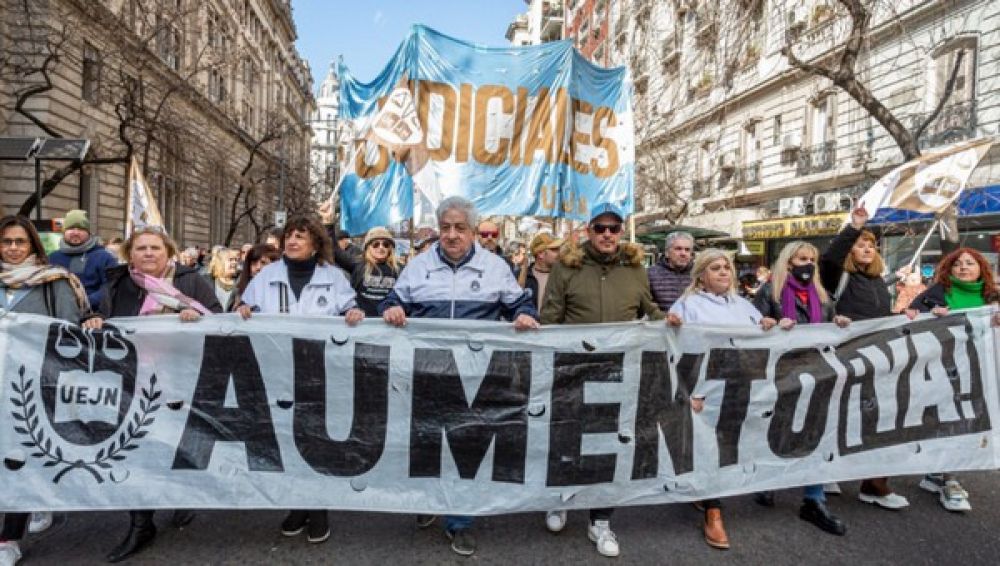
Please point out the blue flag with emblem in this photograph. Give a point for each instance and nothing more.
(533, 131)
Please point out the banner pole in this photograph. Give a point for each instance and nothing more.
(631, 229)
(916, 254)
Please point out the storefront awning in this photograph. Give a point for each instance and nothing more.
(657, 234)
(973, 202)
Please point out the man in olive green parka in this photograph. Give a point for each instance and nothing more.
(602, 280)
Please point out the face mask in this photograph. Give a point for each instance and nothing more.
(803, 272)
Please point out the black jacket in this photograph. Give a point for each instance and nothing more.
(864, 297)
(771, 308)
(347, 259)
(531, 284)
(373, 289)
(934, 296)
(122, 297)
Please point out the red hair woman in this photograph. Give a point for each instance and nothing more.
(964, 280)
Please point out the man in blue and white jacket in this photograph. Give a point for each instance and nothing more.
(458, 278)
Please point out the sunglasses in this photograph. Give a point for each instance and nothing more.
(149, 229)
(604, 228)
(382, 244)
(487, 234)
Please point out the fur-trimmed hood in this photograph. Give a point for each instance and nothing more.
(572, 255)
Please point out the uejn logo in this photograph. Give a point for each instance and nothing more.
(87, 386)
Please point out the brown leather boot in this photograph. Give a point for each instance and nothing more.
(715, 531)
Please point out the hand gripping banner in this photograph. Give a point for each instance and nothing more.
(533, 130)
(470, 417)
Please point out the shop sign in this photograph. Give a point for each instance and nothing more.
(798, 227)
(755, 248)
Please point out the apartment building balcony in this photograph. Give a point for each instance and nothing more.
(749, 175)
(700, 188)
(955, 123)
(552, 23)
(817, 159)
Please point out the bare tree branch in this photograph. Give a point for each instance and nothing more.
(949, 88)
(845, 77)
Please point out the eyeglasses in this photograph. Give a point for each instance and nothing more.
(382, 244)
(603, 228)
(489, 234)
(15, 242)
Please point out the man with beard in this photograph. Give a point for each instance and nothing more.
(545, 253)
(82, 256)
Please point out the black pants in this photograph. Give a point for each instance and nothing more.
(14, 526)
(603, 514)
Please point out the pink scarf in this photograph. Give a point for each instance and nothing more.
(161, 293)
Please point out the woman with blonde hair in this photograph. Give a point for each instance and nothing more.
(711, 298)
(851, 268)
(222, 273)
(794, 296)
(374, 277)
(151, 283)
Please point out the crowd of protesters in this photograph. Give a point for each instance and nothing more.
(309, 267)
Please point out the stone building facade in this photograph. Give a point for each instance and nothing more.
(731, 137)
(192, 85)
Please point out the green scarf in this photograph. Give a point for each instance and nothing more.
(964, 295)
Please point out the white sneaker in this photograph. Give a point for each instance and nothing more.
(892, 501)
(555, 521)
(600, 533)
(40, 522)
(935, 483)
(10, 553)
(954, 498)
(832, 488)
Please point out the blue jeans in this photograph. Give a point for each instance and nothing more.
(454, 523)
(814, 492)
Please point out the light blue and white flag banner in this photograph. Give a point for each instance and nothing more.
(535, 130)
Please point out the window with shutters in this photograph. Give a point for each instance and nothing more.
(944, 61)
(217, 86)
(957, 118)
(169, 45)
(821, 133)
(822, 126)
(90, 79)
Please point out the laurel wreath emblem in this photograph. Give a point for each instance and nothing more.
(26, 415)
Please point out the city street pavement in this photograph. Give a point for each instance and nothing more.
(922, 534)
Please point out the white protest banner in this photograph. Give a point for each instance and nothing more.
(472, 417)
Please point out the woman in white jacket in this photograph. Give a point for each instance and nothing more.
(304, 281)
(712, 299)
